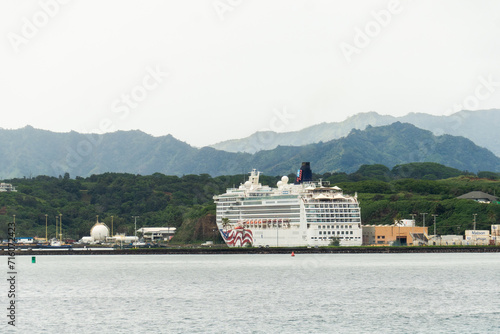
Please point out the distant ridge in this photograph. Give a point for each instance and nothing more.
(30, 152)
(479, 126)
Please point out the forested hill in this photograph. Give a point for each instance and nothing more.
(30, 152)
(187, 202)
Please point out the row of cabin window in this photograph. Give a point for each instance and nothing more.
(332, 206)
(334, 215)
(330, 238)
(337, 220)
(333, 232)
(334, 226)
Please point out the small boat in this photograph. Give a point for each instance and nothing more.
(55, 244)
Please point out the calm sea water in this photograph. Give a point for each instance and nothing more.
(363, 293)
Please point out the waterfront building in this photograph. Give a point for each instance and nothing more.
(446, 240)
(25, 240)
(153, 234)
(121, 238)
(401, 233)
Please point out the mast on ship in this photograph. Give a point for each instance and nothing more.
(254, 178)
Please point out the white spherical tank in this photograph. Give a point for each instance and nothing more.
(99, 232)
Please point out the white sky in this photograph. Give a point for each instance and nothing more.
(231, 72)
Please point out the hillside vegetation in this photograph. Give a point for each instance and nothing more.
(186, 202)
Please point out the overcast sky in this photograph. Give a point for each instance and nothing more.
(210, 70)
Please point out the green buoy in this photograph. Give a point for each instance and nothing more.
(33, 259)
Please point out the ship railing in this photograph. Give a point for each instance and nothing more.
(319, 183)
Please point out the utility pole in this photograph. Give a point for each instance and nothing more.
(111, 226)
(475, 221)
(434, 223)
(423, 214)
(413, 225)
(46, 240)
(135, 229)
(60, 227)
(56, 226)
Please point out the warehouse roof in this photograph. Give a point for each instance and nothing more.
(479, 196)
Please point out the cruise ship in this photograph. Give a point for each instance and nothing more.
(303, 213)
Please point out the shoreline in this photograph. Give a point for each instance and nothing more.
(245, 250)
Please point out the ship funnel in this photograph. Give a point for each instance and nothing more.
(304, 174)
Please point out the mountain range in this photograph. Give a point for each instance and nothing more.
(479, 126)
(30, 152)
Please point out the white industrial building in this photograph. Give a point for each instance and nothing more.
(7, 187)
(405, 222)
(121, 238)
(157, 233)
(446, 240)
(472, 238)
(98, 233)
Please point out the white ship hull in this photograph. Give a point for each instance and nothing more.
(282, 238)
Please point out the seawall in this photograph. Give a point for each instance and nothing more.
(297, 251)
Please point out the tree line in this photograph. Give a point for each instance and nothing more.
(186, 202)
